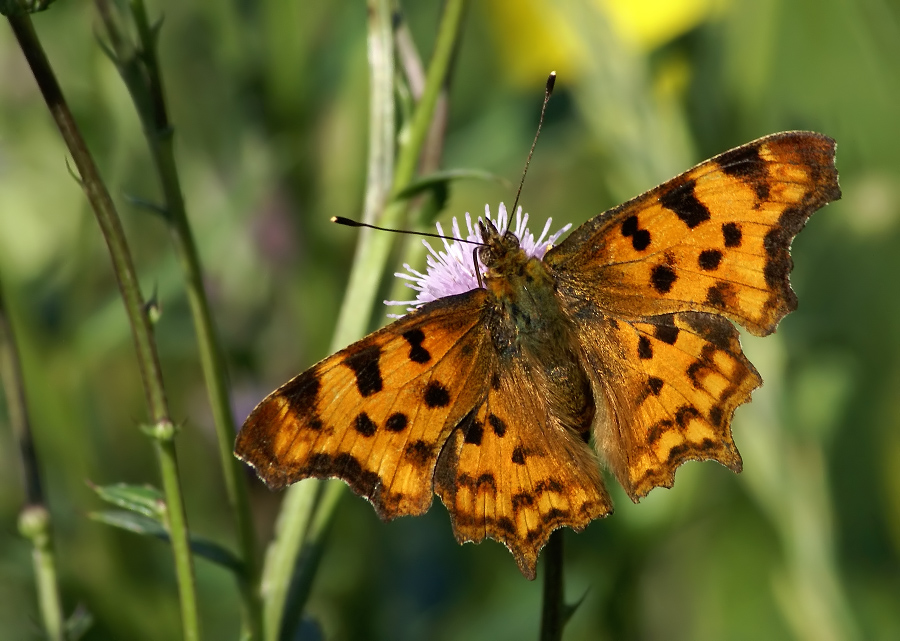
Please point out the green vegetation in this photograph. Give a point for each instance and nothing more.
(278, 116)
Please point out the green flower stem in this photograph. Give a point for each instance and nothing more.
(373, 250)
(141, 73)
(142, 331)
(34, 520)
(300, 507)
(281, 559)
(359, 300)
(553, 617)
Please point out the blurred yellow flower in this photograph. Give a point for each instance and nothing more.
(536, 36)
(648, 24)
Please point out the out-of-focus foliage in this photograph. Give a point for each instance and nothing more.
(270, 104)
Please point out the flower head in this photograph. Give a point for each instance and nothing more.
(452, 271)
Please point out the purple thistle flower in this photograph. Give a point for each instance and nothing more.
(452, 271)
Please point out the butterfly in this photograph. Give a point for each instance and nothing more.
(617, 348)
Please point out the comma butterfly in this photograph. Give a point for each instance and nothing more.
(617, 345)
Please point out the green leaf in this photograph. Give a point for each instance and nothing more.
(131, 521)
(440, 180)
(148, 526)
(569, 608)
(79, 623)
(143, 499)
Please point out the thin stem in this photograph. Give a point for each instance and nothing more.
(369, 263)
(34, 519)
(281, 560)
(142, 331)
(140, 70)
(553, 615)
(297, 510)
(373, 250)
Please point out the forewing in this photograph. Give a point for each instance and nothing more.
(508, 473)
(716, 238)
(377, 413)
(670, 385)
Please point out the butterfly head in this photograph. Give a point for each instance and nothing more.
(453, 270)
(498, 250)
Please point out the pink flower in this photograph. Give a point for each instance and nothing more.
(452, 271)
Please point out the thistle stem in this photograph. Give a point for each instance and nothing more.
(553, 607)
(368, 267)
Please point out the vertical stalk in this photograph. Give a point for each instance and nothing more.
(369, 265)
(161, 429)
(553, 615)
(34, 519)
(139, 68)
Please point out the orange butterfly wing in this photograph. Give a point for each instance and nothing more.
(510, 474)
(485, 396)
(716, 238)
(377, 413)
(646, 283)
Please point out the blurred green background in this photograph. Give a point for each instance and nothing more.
(270, 102)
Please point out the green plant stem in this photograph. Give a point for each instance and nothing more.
(281, 559)
(369, 264)
(373, 250)
(283, 568)
(553, 615)
(142, 331)
(142, 75)
(34, 519)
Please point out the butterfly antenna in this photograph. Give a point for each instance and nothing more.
(340, 220)
(548, 91)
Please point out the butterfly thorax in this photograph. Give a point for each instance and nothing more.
(528, 323)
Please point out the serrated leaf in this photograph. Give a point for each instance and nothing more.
(147, 526)
(143, 499)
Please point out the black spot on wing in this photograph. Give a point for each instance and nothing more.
(419, 452)
(709, 259)
(732, 234)
(683, 202)
(302, 394)
(640, 238)
(347, 467)
(396, 422)
(684, 414)
(417, 353)
(745, 163)
(663, 277)
(645, 350)
(472, 428)
(719, 295)
(436, 395)
(518, 456)
(365, 425)
(667, 333)
(364, 364)
(497, 424)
